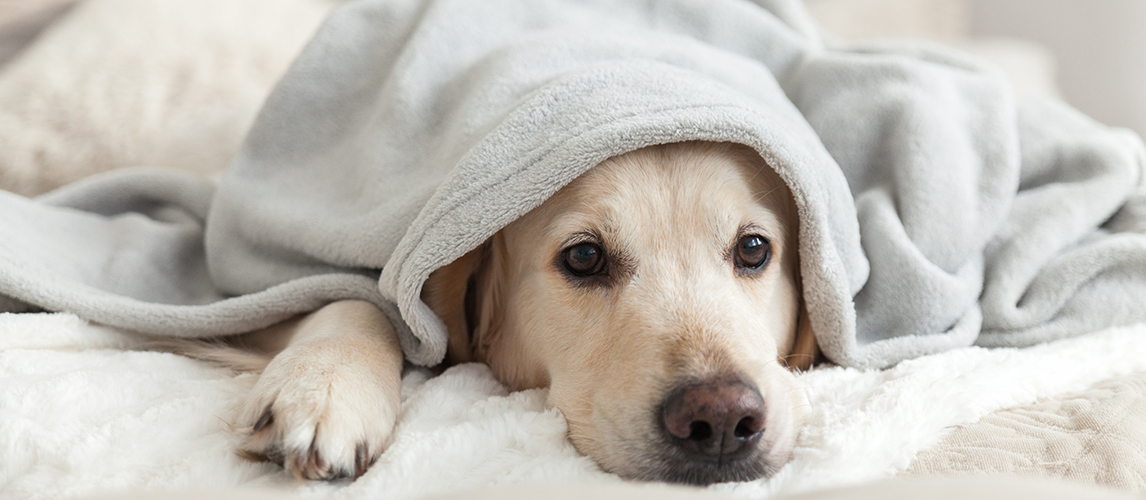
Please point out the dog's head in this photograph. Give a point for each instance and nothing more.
(658, 297)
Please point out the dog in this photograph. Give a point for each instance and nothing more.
(657, 297)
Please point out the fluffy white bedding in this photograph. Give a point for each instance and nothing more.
(79, 415)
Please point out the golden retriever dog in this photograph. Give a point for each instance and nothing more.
(657, 297)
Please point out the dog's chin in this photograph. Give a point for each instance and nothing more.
(664, 462)
(672, 468)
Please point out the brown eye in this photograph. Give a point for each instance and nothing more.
(752, 251)
(584, 259)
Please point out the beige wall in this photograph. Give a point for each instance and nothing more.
(1100, 46)
(855, 19)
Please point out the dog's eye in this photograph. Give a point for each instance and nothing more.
(584, 259)
(752, 251)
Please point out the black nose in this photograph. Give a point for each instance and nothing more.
(717, 419)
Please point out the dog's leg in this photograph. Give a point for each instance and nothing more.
(325, 405)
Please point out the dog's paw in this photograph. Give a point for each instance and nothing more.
(320, 411)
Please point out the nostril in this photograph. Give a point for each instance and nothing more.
(699, 430)
(747, 427)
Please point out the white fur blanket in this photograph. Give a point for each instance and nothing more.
(79, 415)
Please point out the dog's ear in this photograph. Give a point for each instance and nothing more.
(466, 295)
(805, 351)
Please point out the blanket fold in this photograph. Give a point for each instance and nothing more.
(934, 211)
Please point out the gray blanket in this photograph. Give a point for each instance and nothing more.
(935, 213)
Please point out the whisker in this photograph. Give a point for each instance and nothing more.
(769, 193)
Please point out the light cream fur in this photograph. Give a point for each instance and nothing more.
(116, 83)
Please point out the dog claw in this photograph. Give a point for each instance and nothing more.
(361, 460)
(264, 420)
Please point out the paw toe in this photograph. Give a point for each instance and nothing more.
(309, 464)
(363, 459)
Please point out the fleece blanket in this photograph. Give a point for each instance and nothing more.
(934, 212)
(80, 415)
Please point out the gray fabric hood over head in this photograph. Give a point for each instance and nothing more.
(934, 212)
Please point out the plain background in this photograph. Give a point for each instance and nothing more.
(1095, 51)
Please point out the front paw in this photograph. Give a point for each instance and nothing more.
(320, 412)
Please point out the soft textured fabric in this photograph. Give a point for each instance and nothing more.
(934, 213)
(79, 415)
(1094, 436)
(106, 84)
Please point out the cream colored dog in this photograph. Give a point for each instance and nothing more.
(657, 296)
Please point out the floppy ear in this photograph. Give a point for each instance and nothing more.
(804, 348)
(466, 295)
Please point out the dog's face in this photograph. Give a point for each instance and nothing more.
(655, 296)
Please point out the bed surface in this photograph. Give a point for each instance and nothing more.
(1093, 436)
(80, 415)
